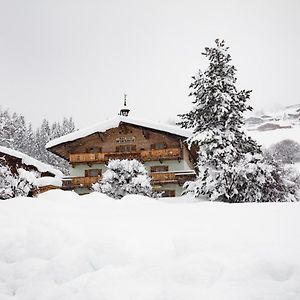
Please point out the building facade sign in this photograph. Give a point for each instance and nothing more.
(124, 140)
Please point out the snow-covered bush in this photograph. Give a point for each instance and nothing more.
(14, 185)
(251, 179)
(287, 175)
(6, 183)
(124, 177)
(255, 179)
(230, 165)
(286, 151)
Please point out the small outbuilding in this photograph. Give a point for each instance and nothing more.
(50, 177)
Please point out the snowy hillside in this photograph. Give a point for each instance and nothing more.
(275, 126)
(270, 137)
(286, 116)
(62, 246)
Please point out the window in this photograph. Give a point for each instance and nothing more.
(126, 148)
(158, 146)
(93, 172)
(162, 168)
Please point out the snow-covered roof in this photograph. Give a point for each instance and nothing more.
(112, 123)
(28, 160)
(44, 181)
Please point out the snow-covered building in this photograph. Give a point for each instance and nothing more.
(50, 177)
(161, 148)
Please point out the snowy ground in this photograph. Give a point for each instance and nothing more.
(62, 246)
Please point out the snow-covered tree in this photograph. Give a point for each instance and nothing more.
(16, 134)
(15, 185)
(5, 132)
(230, 165)
(124, 177)
(286, 151)
(49, 132)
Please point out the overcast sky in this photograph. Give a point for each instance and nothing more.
(77, 58)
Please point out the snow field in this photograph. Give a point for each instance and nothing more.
(63, 246)
(270, 137)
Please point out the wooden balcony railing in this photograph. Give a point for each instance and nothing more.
(156, 178)
(74, 182)
(144, 155)
(165, 177)
(173, 177)
(161, 154)
(87, 157)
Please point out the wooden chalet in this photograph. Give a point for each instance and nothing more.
(161, 148)
(50, 177)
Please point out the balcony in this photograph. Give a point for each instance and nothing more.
(156, 178)
(143, 155)
(163, 177)
(172, 177)
(76, 182)
(161, 154)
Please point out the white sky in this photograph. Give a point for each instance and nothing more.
(77, 58)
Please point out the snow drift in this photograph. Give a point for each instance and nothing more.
(64, 246)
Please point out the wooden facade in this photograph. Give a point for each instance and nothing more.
(143, 155)
(111, 140)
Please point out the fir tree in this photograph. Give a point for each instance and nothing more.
(230, 164)
(124, 177)
(287, 151)
(5, 132)
(18, 132)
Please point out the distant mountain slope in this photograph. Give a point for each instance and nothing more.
(274, 127)
(287, 116)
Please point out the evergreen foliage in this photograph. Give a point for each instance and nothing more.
(286, 151)
(230, 165)
(16, 134)
(124, 177)
(15, 185)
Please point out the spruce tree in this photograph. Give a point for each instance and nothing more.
(230, 164)
(5, 132)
